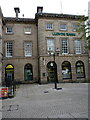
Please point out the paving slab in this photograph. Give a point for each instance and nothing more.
(43, 101)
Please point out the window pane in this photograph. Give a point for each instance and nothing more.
(80, 70)
(49, 26)
(50, 44)
(28, 49)
(75, 27)
(63, 27)
(64, 46)
(9, 49)
(9, 30)
(66, 70)
(27, 30)
(77, 46)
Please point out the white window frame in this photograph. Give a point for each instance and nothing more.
(27, 30)
(77, 46)
(50, 46)
(64, 46)
(63, 29)
(9, 53)
(28, 49)
(49, 26)
(9, 32)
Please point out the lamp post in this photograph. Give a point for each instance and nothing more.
(55, 78)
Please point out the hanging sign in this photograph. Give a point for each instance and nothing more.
(63, 34)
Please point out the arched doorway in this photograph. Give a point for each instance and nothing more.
(28, 72)
(9, 74)
(66, 70)
(52, 71)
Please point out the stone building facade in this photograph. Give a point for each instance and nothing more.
(43, 49)
(63, 42)
(89, 10)
(89, 35)
(19, 38)
(1, 55)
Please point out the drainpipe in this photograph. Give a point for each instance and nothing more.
(39, 80)
(39, 11)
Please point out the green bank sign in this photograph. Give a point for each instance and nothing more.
(63, 34)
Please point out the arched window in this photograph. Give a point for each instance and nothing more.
(28, 72)
(66, 70)
(80, 71)
(52, 71)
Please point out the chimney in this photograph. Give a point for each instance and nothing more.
(39, 9)
(17, 10)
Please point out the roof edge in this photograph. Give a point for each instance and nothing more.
(14, 19)
(55, 15)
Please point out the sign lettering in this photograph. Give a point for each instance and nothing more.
(63, 34)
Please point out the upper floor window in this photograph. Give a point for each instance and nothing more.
(75, 27)
(9, 49)
(49, 26)
(63, 27)
(77, 44)
(64, 44)
(28, 49)
(50, 45)
(9, 30)
(27, 30)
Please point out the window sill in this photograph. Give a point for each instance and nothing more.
(9, 33)
(74, 30)
(65, 53)
(9, 56)
(49, 29)
(27, 56)
(63, 29)
(27, 33)
(78, 53)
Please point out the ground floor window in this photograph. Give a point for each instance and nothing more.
(80, 71)
(66, 70)
(52, 71)
(28, 72)
(9, 74)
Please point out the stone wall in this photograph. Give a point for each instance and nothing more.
(0, 46)
(19, 60)
(44, 34)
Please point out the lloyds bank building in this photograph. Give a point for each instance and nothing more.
(42, 49)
